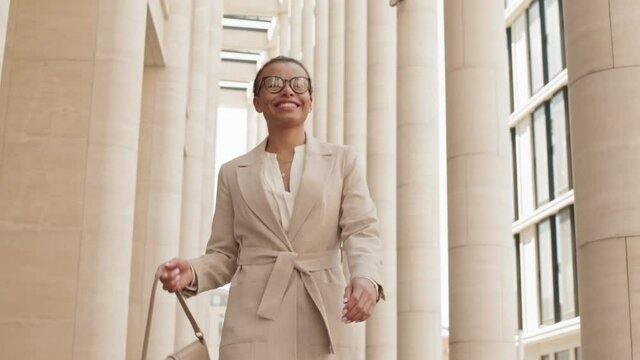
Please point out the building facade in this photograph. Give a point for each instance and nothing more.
(108, 118)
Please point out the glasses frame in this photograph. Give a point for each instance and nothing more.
(285, 82)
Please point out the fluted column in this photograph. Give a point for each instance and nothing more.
(68, 150)
(308, 51)
(355, 101)
(296, 29)
(252, 123)
(335, 103)
(603, 61)
(381, 168)
(481, 251)
(284, 28)
(160, 166)
(209, 153)
(321, 70)
(419, 323)
(193, 152)
(4, 24)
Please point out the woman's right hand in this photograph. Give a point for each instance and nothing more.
(175, 274)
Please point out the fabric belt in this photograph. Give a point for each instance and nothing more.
(285, 262)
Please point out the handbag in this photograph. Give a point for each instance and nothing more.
(197, 350)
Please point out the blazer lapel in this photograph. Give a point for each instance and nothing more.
(250, 183)
(317, 166)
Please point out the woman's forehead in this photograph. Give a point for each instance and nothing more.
(285, 69)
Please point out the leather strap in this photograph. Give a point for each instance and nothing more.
(185, 308)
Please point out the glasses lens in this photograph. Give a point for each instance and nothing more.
(299, 84)
(273, 84)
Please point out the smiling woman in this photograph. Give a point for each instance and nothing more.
(283, 212)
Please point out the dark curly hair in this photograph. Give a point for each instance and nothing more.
(277, 59)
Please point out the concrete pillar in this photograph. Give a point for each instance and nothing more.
(252, 123)
(603, 61)
(308, 38)
(262, 128)
(209, 153)
(419, 324)
(481, 251)
(381, 168)
(159, 190)
(4, 24)
(69, 142)
(296, 29)
(193, 153)
(355, 101)
(321, 70)
(335, 85)
(284, 28)
(355, 75)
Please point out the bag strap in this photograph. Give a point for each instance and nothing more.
(185, 308)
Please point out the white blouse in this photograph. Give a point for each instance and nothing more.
(280, 200)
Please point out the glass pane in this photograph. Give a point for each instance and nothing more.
(554, 37)
(563, 355)
(578, 353)
(545, 266)
(541, 157)
(535, 46)
(525, 185)
(514, 166)
(559, 145)
(544, 357)
(565, 264)
(520, 62)
(518, 280)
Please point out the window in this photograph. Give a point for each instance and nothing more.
(544, 357)
(563, 355)
(514, 166)
(519, 62)
(545, 274)
(554, 46)
(536, 65)
(565, 264)
(541, 156)
(518, 281)
(560, 144)
(578, 352)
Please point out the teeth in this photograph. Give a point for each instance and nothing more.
(287, 105)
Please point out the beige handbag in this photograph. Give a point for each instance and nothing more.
(197, 350)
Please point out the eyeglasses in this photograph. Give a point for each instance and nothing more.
(275, 84)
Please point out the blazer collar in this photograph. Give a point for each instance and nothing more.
(318, 164)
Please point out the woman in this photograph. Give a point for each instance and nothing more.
(283, 212)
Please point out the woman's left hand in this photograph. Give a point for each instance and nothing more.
(359, 300)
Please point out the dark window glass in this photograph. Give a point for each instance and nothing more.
(510, 54)
(546, 292)
(536, 65)
(560, 144)
(565, 264)
(519, 271)
(514, 165)
(544, 357)
(578, 353)
(554, 42)
(541, 158)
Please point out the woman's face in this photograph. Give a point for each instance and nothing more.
(285, 108)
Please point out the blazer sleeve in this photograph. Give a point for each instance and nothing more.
(359, 223)
(216, 267)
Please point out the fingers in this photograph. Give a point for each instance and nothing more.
(174, 275)
(359, 305)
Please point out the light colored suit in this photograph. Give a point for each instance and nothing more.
(286, 293)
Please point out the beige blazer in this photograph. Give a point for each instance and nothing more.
(285, 299)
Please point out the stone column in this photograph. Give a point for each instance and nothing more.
(296, 29)
(252, 123)
(69, 127)
(284, 28)
(381, 168)
(160, 166)
(603, 61)
(321, 70)
(355, 100)
(262, 128)
(209, 153)
(335, 86)
(481, 252)
(419, 324)
(4, 24)
(308, 24)
(193, 152)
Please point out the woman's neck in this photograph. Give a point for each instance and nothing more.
(281, 142)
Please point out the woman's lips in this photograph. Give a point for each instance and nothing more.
(286, 105)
